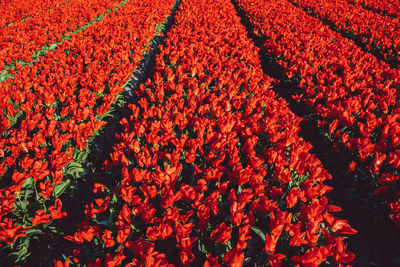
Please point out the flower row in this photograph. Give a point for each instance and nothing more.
(53, 107)
(369, 27)
(210, 168)
(354, 96)
(385, 7)
(23, 40)
(15, 10)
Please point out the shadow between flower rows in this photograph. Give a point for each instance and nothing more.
(376, 239)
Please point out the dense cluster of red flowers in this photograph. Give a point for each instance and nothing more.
(209, 167)
(385, 7)
(20, 41)
(15, 10)
(368, 26)
(354, 95)
(50, 109)
(211, 170)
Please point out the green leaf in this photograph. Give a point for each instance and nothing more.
(28, 184)
(74, 169)
(202, 247)
(239, 189)
(14, 119)
(259, 232)
(33, 231)
(60, 188)
(228, 245)
(22, 251)
(80, 155)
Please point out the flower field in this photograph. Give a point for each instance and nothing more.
(157, 133)
(376, 32)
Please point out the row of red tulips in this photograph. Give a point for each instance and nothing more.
(22, 42)
(210, 167)
(14, 10)
(385, 7)
(367, 26)
(352, 94)
(51, 109)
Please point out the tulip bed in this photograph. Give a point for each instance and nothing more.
(386, 7)
(25, 41)
(51, 109)
(209, 166)
(15, 10)
(374, 30)
(353, 95)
